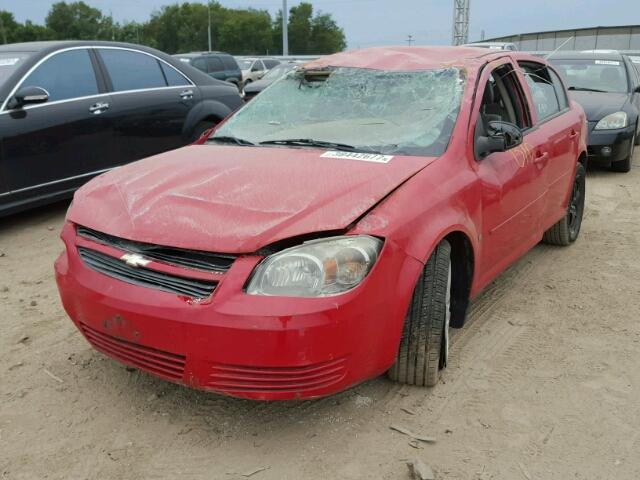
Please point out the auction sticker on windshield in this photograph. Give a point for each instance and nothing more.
(364, 157)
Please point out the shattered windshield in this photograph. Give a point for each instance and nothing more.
(406, 113)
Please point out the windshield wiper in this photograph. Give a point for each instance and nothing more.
(309, 142)
(230, 139)
(585, 89)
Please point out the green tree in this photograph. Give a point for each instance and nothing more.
(78, 21)
(326, 36)
(30, 32)
(180, 28)
(300, 29)
(8, 27)
(246, 32)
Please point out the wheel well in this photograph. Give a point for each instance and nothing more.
(583, 159)
(462, 264)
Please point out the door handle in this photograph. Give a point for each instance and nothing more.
(98, 108)
(186, 94)
(573, 134)
(541, 157)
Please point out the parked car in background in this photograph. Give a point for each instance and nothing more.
(254, 88)
(219, 65)
(329, 230)
(493, 45)
(71, 110)
(254, 69)
(607, 85)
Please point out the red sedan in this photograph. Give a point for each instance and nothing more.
(331, 230)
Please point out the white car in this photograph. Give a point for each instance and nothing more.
(254, 68)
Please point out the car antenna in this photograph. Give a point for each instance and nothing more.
(546, 57)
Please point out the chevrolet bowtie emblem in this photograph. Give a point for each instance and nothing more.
(135, 260)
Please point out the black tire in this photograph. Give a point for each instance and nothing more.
(200, 128)
(422, 353)
(566, 231)
(624, 166)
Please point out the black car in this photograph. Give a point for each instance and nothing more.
(607, 86)
(254, 88)
(70, 110)
(218, 65)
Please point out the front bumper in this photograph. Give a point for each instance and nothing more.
(608, 146)
(264, 348)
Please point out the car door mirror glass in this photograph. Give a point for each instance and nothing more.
(28, 96)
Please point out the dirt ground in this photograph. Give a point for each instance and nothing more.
(544, 382)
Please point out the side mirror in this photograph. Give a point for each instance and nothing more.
(501, 136)
(28, 96)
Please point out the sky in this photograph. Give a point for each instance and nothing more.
(389, 22)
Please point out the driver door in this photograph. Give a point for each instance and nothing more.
(513, 184)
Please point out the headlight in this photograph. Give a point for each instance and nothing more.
(612, 121)
(316, 269)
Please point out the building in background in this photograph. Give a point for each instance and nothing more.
(625, 39)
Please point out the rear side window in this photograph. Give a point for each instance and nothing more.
(543, 92)
(174, 78)
(214, 64)
(229, 62)
(200, 63)
(132, 70)
(270, 63)
(65, 75)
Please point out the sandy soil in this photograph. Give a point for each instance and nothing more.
(544, 382)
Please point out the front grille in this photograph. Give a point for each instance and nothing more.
(145, 277)
(210, 262)
(242, 378)
(164, 364)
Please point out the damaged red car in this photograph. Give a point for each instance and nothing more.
(333, 229)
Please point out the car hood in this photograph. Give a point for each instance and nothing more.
(257, 86)
(597, 105)
(232, 199)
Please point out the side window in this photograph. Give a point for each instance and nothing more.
(545, 100)
(200, 63)
(65, 75)
(270, 63)
(132, 70)
(174, 78)
(229, 62)
(215, 64)
(561, 94)
(503, 100)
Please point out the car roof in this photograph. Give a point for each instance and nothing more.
(414, 58)
(198, 54)
(587, 55)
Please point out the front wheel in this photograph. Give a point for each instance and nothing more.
(567, 229)
(424, 345)
(200, 128)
